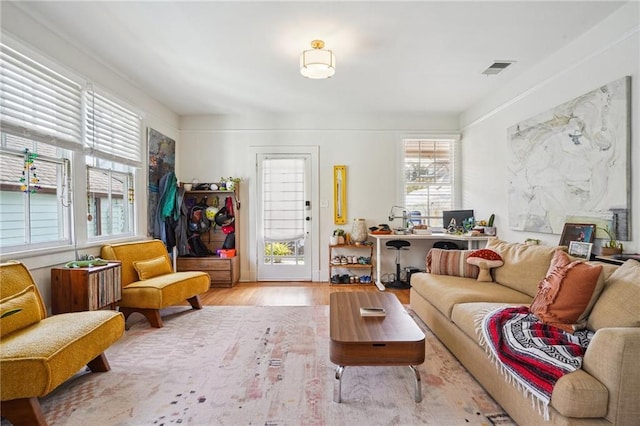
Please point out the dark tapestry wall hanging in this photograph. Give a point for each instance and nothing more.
(162, 160)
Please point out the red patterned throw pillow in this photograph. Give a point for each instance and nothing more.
(485, 259)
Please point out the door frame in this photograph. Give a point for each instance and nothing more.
(314, 227)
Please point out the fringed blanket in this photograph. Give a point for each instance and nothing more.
(533, 354)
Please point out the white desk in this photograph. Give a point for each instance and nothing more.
(472, 242)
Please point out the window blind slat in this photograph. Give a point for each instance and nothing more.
(15, 108)
(47, 98)
(39, 100)
(112, 131)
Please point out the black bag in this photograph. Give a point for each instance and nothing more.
(198, 222)
(229, 241)
(197, 247)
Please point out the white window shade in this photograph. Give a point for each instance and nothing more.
(37, 102)
(113, 132)
(283, 192)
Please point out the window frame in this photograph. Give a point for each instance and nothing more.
(79, 150)
(455, 174)
(129, 177)
(61, 191)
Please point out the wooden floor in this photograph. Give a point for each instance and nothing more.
(285, 293)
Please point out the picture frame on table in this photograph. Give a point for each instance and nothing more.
(580, 232)
(580, 249)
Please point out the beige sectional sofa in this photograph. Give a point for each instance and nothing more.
(606, 391)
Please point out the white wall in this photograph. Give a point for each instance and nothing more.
(605, 53)
(47, 46)
(212, 147)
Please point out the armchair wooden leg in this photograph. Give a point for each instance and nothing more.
(195, 302)
(152, 315)
(99, 364)
(24, 411)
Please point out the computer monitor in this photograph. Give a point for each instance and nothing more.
(459, 215)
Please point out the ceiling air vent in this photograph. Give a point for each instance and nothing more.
(497, 67)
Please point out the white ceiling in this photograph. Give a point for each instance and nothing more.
(391, 57)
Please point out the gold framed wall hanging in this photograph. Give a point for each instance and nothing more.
(340, 195)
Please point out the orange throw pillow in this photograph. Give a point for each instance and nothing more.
(567, 294)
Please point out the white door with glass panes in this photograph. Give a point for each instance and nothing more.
(284, 222)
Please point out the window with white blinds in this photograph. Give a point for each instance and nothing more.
(283, 193)
(429, 177)
(37, 102)
(113, 132)
(49, 115)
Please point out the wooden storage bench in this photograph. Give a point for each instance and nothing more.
(224, 272)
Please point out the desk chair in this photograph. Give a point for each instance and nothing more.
(446, 245)
(398, 245)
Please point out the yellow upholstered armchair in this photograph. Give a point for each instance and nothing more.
(148, 281)
(38, 353)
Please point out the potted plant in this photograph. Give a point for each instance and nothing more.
(338, 236)
(613, 246)
(230, 182)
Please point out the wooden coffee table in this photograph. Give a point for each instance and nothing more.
(394, 339)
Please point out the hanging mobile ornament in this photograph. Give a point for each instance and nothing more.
(89, 216)
(29, 180)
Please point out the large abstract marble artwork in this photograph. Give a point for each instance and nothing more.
(571, 161)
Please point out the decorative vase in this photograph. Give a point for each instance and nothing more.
(359, 231)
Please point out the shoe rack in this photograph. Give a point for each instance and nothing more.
(351, 263)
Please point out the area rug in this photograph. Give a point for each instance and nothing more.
(241, 365)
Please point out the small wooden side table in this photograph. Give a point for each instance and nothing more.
(85, 289)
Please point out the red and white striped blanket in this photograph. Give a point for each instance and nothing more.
(532, 354)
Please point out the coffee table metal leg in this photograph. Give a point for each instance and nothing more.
(418, 384)
(337, 389)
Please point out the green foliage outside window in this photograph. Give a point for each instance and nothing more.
(277, 249)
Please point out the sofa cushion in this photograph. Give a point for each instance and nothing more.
(445, 291)
(567, 294)
(30, 313)
(153, 267)
(579, 394)
(619, 303)
(468, 316)
(165, 290)
(451, 262)
(524, 265)
(38, 358)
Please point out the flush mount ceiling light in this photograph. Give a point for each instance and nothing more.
(317, 63)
